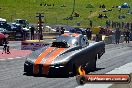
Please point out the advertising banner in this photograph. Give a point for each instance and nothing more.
(32, 45)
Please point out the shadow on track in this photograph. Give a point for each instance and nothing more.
(97, 69)
(48, 76)
(94, 70)
(59, 76)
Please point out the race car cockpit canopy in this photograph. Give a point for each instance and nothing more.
(66, 41)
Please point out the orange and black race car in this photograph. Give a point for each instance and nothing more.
(64, 56)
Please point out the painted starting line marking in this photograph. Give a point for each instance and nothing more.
(12, 58)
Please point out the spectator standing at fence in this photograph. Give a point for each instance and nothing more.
(101, 32)
(32, 29)
(127, 25)
(117, 35)
(97, 39)
(127, 36)
(5, 42)
(23, 34)
(8, 50)
(4, 48)
(122, 26)
(119, 25)
(88, 33)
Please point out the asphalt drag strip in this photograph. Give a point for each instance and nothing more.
(12, 75)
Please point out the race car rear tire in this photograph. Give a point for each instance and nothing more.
(93, 68)
(75, 70)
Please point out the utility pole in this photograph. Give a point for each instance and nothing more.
(40, 16)
(0, 11)
(73, 9)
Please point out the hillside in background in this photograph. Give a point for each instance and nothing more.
(56, 11)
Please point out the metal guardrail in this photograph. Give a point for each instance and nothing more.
(50, 34)
(111, 39)
(46, 35)
(13, 36)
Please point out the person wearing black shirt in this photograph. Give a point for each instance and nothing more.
(127, 36)
(117, 35)
(5, 42)
(32, 29)
(88, 33)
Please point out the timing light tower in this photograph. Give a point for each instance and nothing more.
(40, 24)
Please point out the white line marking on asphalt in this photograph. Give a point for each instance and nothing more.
(18, 57)
(1, 59)
(10, 58)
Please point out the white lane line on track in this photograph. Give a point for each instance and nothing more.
(18, 57)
